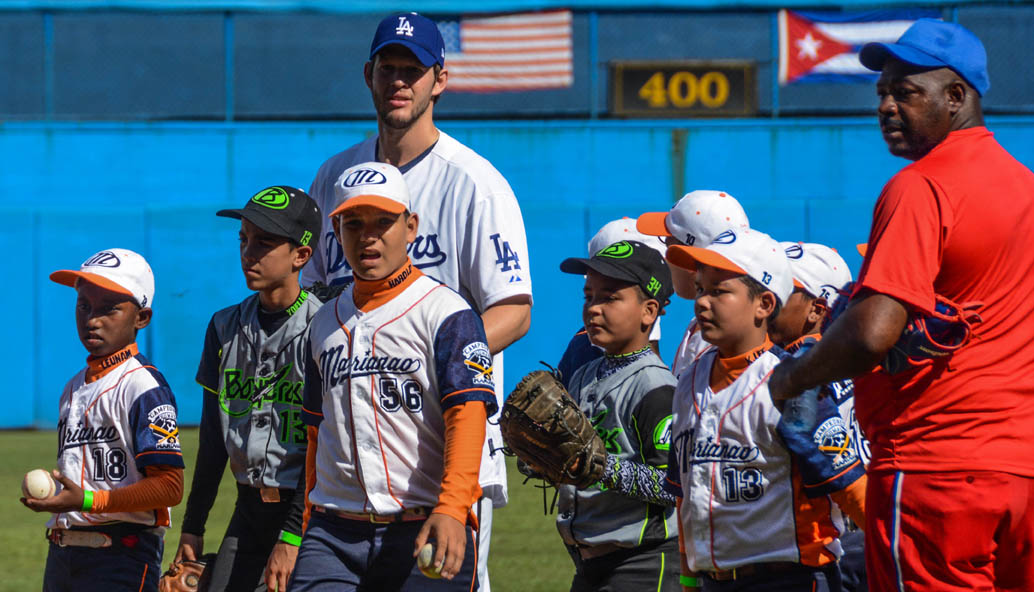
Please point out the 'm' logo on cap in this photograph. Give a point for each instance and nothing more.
(365, 177)
(726, 238)
(794, 252)
(274, 197)
(621, 250)
(103, 259)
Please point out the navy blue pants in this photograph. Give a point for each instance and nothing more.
(133, 562)
(338, 554)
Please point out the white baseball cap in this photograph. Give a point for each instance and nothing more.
(118, 270)
(375, 184)
(696, 219)
(817, 269)
(622, 229)
(745, 251)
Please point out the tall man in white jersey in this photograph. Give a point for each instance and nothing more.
(471, 234)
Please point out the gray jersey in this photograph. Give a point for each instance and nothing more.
(631, 411)
(258, 380)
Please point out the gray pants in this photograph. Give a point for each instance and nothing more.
(254, 529)
(639, 568)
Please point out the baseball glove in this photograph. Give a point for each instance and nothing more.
(934, 336)
(185, 576)
(544, 427)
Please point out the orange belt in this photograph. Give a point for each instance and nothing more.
(407, 515)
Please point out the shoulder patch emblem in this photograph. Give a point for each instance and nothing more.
(834, 440)
(162, 421)
(478, 360)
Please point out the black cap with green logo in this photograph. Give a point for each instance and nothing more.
(284, 211)
(629, 261)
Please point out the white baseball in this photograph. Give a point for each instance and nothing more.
(424, 560)
(38, 484)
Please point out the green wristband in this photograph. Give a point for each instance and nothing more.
(87, 501)
(689, 581)
(290, 538)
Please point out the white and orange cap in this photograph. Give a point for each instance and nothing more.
(745, 251)
(696, 219)
(817, 269)
(118, 270)
(622, 229)
(376, 184)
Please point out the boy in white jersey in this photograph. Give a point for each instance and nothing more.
(397, 399)
(471, 234)
(756, 483)
(697, 219)
(119, 461)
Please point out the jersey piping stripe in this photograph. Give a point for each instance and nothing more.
(474, 544)
(143, 579)
(158, 452)
(895, 536)
(834, 477)
(373, 401)
(718, 437)
(472, 389)
(351, 415)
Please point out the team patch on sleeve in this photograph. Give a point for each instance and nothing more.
(162, 423)
(662, 434)
(834, 440)
(478, 361)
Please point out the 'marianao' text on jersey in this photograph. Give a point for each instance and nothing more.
(117, 416)
(746, 497)
(378, 389)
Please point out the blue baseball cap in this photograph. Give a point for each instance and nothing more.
(931, 43)
(417, 33)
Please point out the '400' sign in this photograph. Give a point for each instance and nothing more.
(683, 88)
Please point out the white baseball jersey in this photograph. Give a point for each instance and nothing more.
(117, 416)
(379, 385)
(471, 238)
(755, 488)
(691, 348)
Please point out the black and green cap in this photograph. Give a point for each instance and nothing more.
(284, 211)
(629, 261)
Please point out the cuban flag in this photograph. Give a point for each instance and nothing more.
(824, 46)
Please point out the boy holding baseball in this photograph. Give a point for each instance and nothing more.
(397, 396)
(119, 461)
(252, 371)
(755, 481)
(621, 531)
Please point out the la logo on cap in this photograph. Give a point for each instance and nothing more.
(404, 27)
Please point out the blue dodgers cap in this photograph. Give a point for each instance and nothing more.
(417, 33)
(931, 43)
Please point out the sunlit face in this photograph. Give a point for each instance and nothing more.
(402, 88)
(914, 111)
(107, 321)
(268, 260)
(374, 240)
(728, 316)
(617, 318)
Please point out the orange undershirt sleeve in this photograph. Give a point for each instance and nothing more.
(851, 500)
(310, 474)
(464, 439)
(161, 487)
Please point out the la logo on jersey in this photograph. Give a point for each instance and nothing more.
(404, 28)
(506, 258)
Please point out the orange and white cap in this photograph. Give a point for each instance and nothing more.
(696, 219)
(817, 269)
(376, 184)
(118, 270)
(622, 229)
(745, 251)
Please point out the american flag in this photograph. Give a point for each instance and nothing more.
(512, 52)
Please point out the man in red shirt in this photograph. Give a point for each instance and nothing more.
(952, 476)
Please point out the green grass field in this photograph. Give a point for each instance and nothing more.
(526, 556)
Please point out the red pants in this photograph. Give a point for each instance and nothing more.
(966, 531)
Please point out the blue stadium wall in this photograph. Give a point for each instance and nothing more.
(73, 189)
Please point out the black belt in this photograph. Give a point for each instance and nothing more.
(758, 569)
